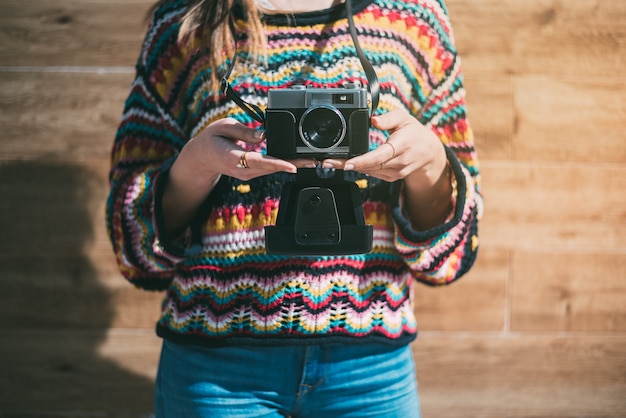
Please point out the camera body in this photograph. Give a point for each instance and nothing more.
(319, 213)
(305, 122)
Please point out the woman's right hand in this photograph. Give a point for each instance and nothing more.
(215, 151)
(201, 162)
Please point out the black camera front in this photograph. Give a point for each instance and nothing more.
(317, 123)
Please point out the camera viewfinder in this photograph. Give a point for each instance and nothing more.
(340, 98)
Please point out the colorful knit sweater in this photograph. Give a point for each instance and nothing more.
(230, 291)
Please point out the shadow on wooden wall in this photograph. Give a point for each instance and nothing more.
(538, 327)
(55, 313)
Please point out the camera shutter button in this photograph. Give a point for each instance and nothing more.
(352, 85)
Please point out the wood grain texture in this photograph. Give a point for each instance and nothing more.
(568, 292)
(491, 114)
(60, 115)
(71, 32)
(476, 302)
(68, 373)
(548, 206)
(53, 304)
(569, 119)
(545, 118)
(521, 376)
(578, 38)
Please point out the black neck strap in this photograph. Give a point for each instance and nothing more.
(257, 113)
(372, 78)
(252, 110)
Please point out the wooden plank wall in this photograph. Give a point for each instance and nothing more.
(537, 329)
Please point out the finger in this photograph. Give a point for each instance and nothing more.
(262, 164)
(230, 128)
(304, 162)
(392, 120)
(391, 147)
(375, 159)
(333, 163)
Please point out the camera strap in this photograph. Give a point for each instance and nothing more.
(252, 110)
(257, 113)
(372, 78)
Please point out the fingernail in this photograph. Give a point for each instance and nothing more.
(259, 134)
(348, 167)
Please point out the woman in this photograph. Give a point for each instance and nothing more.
(251, 334)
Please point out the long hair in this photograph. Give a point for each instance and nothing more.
(205, 25)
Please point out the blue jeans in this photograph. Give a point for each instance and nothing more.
(327, 381)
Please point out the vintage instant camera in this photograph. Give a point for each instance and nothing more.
(320, 212)
(318, 123)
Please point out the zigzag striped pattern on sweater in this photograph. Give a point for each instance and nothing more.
(229, 290)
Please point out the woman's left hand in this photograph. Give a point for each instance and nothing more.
(412, 153)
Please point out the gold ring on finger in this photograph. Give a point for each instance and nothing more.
(243, 161)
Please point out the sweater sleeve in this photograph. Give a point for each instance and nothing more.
(147, 142)
(444, 253)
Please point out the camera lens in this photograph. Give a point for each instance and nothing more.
(322, 127)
